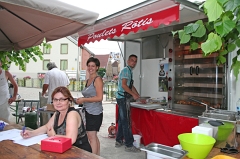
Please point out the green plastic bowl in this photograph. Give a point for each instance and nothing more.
(224, 131)
(197, 145)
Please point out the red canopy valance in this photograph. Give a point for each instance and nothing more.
(153, 15)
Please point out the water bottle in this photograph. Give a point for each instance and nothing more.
(238, 106)
(238, 115)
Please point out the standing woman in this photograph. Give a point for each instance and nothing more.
(92, 102)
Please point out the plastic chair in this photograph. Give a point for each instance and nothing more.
(20, 111)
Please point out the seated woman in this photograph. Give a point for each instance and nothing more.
(65, 122)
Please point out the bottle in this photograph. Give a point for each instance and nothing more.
(238, 106)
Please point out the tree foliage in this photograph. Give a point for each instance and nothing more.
(219, 34)
(21, 57)
(101, 72)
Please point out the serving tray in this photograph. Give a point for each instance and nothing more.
(146, 106)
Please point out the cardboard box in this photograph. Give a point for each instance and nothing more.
(56, 144)
(50, 107)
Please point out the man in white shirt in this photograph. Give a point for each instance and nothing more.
(53, 79)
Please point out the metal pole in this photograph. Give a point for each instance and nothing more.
(78, 60)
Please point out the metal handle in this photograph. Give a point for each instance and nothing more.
(197, 70)
(191, 70)
(197, 101)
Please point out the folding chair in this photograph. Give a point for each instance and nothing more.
(43, 117)
(20, 111)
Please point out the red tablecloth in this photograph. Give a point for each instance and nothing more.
(159, 127)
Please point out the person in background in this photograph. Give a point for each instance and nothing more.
(65, 122)
(53, 79)
(125, 92)
(92, 102)
(5, 99)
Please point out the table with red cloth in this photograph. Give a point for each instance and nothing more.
(159, 127)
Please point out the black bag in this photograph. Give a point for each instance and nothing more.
(126, 94)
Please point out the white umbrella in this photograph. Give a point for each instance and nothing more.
(25, 23)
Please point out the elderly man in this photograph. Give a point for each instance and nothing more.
(5, 99)
(53, 79)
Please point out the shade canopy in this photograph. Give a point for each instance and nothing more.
(25, 23)
(150, 14)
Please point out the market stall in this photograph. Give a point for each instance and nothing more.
(177, 74)
(159, 126)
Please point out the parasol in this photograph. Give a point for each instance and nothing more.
(25, 23)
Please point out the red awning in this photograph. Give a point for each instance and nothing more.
(154, 14)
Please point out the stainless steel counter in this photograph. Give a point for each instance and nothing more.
(158, 108)
(146, 106)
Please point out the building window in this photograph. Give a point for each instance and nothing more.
(45, 62)
(46, 50)
(63, 64)
(20, 68)
(64, 48)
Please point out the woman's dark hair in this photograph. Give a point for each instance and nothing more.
(95, 60)
(64, 91)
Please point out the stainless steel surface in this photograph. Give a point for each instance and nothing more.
(164, 151)
(145, 106)
(233, 113)
(219, 116)
(179, 113)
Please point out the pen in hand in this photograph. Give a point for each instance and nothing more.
(23, 129)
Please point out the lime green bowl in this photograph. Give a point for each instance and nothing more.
(197, 145)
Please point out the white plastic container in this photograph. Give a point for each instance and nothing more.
(137, 140)
(203, 130)
(215, 129)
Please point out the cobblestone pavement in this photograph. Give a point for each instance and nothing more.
(108, 149)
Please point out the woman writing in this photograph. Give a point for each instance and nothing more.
(65, 122)
(92, 102)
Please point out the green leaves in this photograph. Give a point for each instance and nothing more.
(219, 34)
(193, 45)
(237, 42)
(196, 29)
(212, 44)
(235, 67)
(21, 57)
(183, 36)
(231, 47)
(224, 26)
(201, 31)
(213, 9)
(190, 28)
(231, 5)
